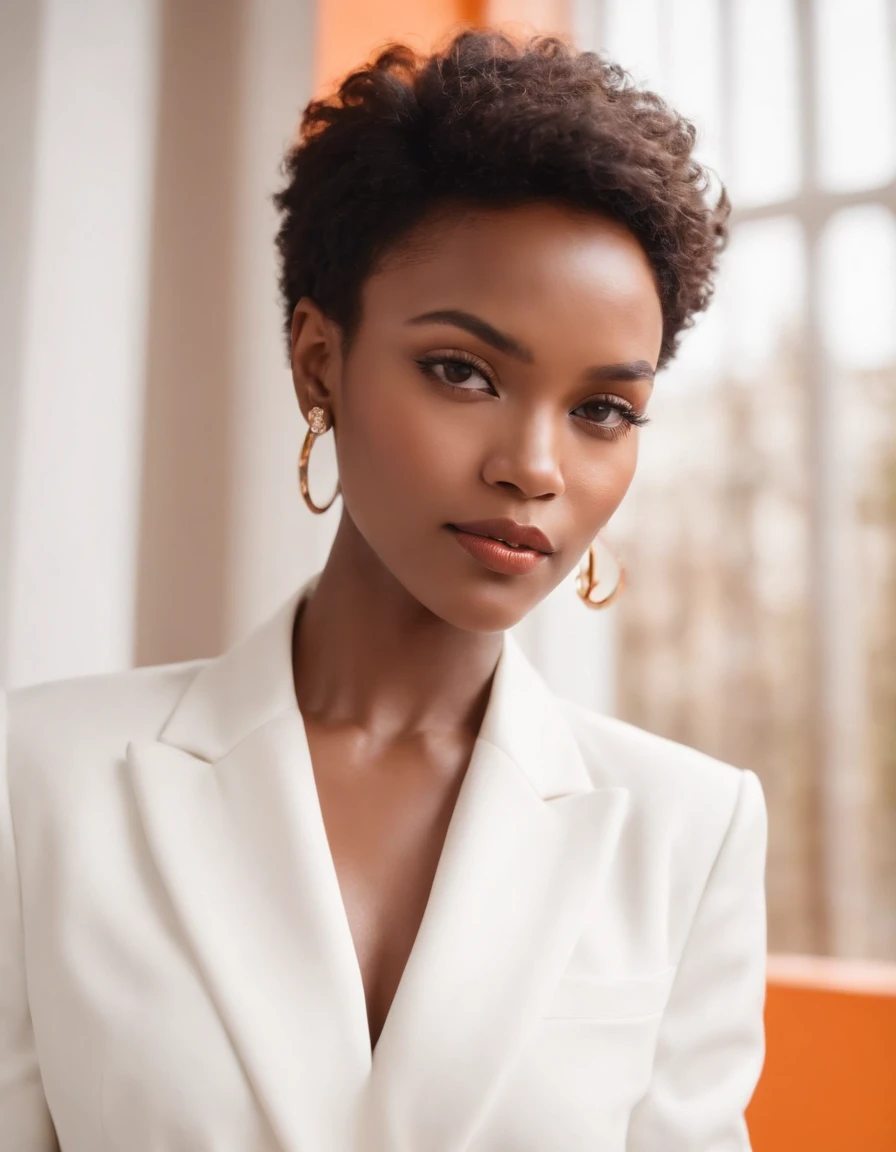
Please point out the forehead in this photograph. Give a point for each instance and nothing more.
(539, 271)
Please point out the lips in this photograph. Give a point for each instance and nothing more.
(503, 545)
(508, 532)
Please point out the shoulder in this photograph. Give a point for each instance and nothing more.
(617, 752)
(53, 728)
(679, 797)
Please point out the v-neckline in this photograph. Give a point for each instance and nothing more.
(323, 851)
(333, 894)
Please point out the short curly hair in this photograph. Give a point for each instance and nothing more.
(493, 121)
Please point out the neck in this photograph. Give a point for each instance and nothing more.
(367, 653)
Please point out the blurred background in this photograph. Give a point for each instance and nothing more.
(149, 508)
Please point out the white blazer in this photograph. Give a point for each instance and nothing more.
(177, 972)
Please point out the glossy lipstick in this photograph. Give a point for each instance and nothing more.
(503, 545)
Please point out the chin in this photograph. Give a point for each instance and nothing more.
(484, 609)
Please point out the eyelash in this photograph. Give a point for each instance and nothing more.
(631, 419)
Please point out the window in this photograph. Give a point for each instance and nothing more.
(759, 536)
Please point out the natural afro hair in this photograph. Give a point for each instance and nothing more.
(491, 121)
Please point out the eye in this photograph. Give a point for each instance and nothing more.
(610, 416)
(458, 370)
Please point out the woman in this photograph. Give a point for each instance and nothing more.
(362, 882)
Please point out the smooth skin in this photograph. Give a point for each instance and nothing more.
(394, 653)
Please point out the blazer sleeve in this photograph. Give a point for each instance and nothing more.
(25, 1121)
(711, 1045)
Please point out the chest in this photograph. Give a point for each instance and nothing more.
(213, 994)
(386, 812)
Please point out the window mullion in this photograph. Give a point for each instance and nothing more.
(836, 716)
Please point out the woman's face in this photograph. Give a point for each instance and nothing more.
(490, 378)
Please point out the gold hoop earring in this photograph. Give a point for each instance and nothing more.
(587, 581)
(317, 426)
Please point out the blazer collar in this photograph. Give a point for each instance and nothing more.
(229, 807)
(241, 690)
(252, 684)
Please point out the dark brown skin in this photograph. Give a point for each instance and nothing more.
(394, 653)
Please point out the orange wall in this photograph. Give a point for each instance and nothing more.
(349, 30)
(829, 1082)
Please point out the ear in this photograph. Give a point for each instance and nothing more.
(315, 358)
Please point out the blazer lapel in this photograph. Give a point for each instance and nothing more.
(230, 811)
(229, 806)
(524, 863)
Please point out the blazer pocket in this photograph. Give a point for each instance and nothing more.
(591, 998)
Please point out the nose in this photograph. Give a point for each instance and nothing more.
(526, 458)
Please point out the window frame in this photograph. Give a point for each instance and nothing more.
(839, 868)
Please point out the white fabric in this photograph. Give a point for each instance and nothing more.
(177, 972)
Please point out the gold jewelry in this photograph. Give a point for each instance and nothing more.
(317, 426)
(587, 581)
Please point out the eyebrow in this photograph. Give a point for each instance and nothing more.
(628, 370)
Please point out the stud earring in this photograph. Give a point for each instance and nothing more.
(588, 580)
(317, 426)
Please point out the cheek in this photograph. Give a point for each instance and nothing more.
(394, 435)
(606, 471)
(598, 479)
(622, 475)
